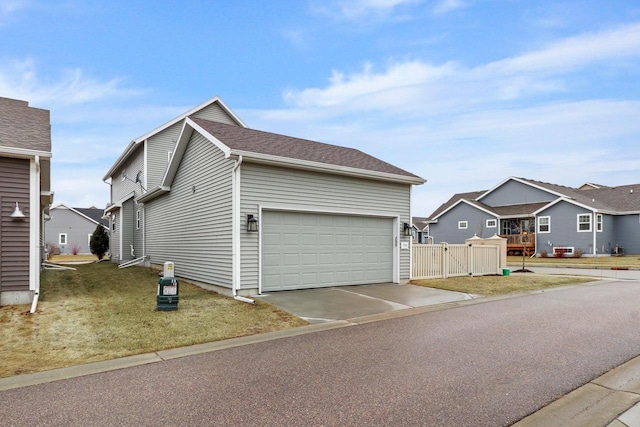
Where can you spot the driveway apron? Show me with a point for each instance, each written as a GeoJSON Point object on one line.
{"type": "Point", "coordinates": [341, 303]}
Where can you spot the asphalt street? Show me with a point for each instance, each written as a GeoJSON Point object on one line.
{"type": "Point", "coordinates": [487, 364]}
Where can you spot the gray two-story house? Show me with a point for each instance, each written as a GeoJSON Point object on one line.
{"type": "Point", "coordinates": [537, 216]}
{"type": "Point", "coordinates": [247, 211]}
{"type": "Point", "coordinates": [25, 195]}
{"type": "Point", "coordinates": [69, 229]}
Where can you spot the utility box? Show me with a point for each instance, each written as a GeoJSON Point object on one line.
{"type": "Point", "coordinates": [168, 285]}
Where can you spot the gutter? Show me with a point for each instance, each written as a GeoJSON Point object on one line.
{"type": "Point", "coordinates": [235, 227]}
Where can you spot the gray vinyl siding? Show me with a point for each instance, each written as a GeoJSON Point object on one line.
{"type": "Point", "coordinates": [606, 239]}
{"type": "Point", "coordinates": [516, 193]}
{"type": "Point", "coordinates": [215, 113]}
{"type": "Point", "coordinates": [446, 229]}
{"type": "Point", "coordinates": [268, 185]}
{"type": "Point", "coordinates": [158, 147]}
{"type": "Point", "coordinates": [160, 144]}
{"type": "Point", "coordinates": [564, 226]}
{"type": "Point", "coordinates": [114, 236]}
{"type": "Point", "coordinates": [14, 235]}
{"type": "Point", "coordinates": [193, 228]}
{"type": "Point", "coordinates": [128, 230]}
{"type": "Point", "coordinates": [77, 228]}
{"type": "Point", "coordinates": [627, 233]}
{"type": "Point", "coordinates": [138, 234]}
{"type": "Point", "coordinates": [121, 188]}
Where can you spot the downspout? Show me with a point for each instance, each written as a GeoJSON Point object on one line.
{"type": "Point", "coordinates": [36, 293]}
{"type": "Point", "coordinates": [595, 235]}
{"type": "Point", "coordinates": [235, 229]}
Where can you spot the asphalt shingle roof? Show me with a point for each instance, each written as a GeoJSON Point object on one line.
{"type": "Point", "coordinates": [24, 127]}
{"type": "Point", "coordinates": [95, 214]}
{"type": "Point", "coordinates": [620, 199]}
{"type": "Point", "coordinates": [260, 142]}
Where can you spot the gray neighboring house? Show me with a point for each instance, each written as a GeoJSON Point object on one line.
{"type": "Point", "coordinates": [25, 196]}
{"type": "Point", "coordinates": [70, 229]}
{"type": "Point", "coordinates": [420, 227]}
{"type": "Point", "coordinates": [593, 219]}
{"type": "Point", "coordinates": [247, 211]}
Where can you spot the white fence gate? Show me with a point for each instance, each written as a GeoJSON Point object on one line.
{"type": "Point", "coordinates": [445, 260]}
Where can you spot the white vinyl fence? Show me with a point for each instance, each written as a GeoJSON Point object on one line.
{"type": "Point", "coordinates": [444, 260]}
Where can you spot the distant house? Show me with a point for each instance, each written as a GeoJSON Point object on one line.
{"type": "Point", "coordinates": [420, 227]}
{"type": "Point", "coordinates": [70, 229]}
{"type": "Point", "coordinates": [25, 195]}
{"type": "Point", "coordinates": [248, 211]}
{"type": "Point", "coordinates": [537, 216]}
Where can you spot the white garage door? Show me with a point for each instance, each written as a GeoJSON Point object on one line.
{"type": "Point", "coordinates": [307, 250]}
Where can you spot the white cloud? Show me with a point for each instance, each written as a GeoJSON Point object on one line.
{"type": "Point", "coordinates": [362, 9]}
{"type": "Point", "coordinates": [10, 7]}
{"type": "Point", "coordinates": [574, 52]}
{"type": "Point", "coordinates": [466, 129]}
{"type": "Point", "coordinates": [446, 6]}
{"type": "Point", "coordinates": [92, 121]}
{"type": "Point", "coordinates": [21, 79]}
{"type": "Point", "coordinates": [343, 89]}
{"type": "Point", "coordinates": [416, 85]}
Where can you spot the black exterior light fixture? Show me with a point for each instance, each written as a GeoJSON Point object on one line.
{"type": "Point", "coordinates": [252, 223]}
{"type": "Point", "coordinates": [407, 229]}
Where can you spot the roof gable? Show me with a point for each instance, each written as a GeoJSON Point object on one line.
{"type": "Point", "coordinates": [474, 204]}
{"type": "Point", "coordinates": [92, 214]}
{"type": "Point", "coordinates": [551, 189]}
{"type": "Point", "coordinates": [133, 145]}
{"type": "Point", "coordinates": [446, 205]}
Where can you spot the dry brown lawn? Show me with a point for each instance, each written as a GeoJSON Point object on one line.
{"type": "Point", "coordinates": [100, 312]}
{"type": "Point", "coordinates": [498, 285]}
{"type": "Point", "coordinates": [630, 261]}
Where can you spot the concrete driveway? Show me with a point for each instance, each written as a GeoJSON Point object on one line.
{"type": "Point", "coordinates": [346, 302]}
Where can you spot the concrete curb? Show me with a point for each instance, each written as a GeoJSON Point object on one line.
{"type": "Point", "coordinates": [608, 401]}
{"type": "Point", "coordinates": [159, 356]}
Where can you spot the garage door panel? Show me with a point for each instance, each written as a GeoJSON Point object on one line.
{"type": "Point", "coordinates": [325, 259]}
{"type": "Point", "coordinates": [310, 239]}
{"type": "Point", "coordinates": [306, 250]}
{"type": "Point", "coordinates": [291, 259]}
{"type": "Point", "coordinates": [269, 260]}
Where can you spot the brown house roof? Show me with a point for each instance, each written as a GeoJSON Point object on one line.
{"type": "Point", "coordinates": [625, 198]}
{"type": "Point", "coordinates": [622, 199]}
{"type": "Point", "coordinates": [255, 141]}
{"type": "Point", "coordinates": [24, 127]}
{"type": "Point", "coordinates": [471, 196]}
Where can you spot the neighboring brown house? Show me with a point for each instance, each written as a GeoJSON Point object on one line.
{"type": "Point", "coordinates": [25, 195]}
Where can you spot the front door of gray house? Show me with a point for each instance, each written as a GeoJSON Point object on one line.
{"type": "Point", "coordinates": [303, 250]}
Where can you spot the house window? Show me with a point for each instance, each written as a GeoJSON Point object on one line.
{"type": "Point", "coordinates": [89, 241]}
{"type": "Point", "coordinates": [138, 215]}
{"type": "Point", "coordinates": [492, 223]}
{"type": "Point", "coordinates": [563, 250]}
{"type": "Point", "coordinates": [599, 222]}
{"type": "Point", "coordinates": [463, 225]}
{"type": "Point", "coordinates": [584, 222]}
{"type": "Point", "coordinates": [62, 238]}
{"type": "Point", "coordinates": [113, 222]}
{"type": "Point", "coordinates": [544, 224]}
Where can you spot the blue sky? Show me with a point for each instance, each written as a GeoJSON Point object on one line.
{"type": "Point", "coordinates": [461, 92]}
